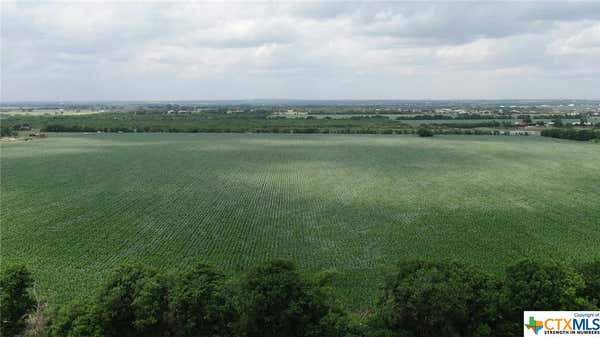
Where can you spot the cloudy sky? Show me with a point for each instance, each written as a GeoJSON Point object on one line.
{"type": "Point", "coordinates": [314, 50]}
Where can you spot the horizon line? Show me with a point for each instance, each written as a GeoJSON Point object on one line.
{"type": "Point", "coordinates": [6, 102]}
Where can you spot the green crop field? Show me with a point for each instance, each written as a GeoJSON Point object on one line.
{"type": "Point", "coordinates": [75, 206]}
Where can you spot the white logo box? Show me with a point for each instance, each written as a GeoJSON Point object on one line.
{"type": "Point", "coordinates": [540, 323]}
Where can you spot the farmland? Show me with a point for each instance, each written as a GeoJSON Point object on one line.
{"type": "Point", "coordinates": [75, 206]}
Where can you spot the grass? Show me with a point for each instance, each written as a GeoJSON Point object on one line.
{"type": "Point", "coordinates": [75, 206]}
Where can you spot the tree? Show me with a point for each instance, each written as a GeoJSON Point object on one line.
{"type": "Point", "coordinates": [78, 319]}
{"type": "Point", "coordinates": [591, 276]}
{"type": "Point", "coordinates": [525, 118]}
{"type": "Point", "coordinates": [532, 285]}
{"type": "Point", "coordinates": [201, 305]}
{"type": "Point", "coordinates": [134, 302]}
{"type": "Point", "coordinates": [424, 132]}
{"type": "Point", "coordinates": [5, 131]}
{"type": "Point", "coordinates": [427, 298]}
{"type": "Point", "coordinates": [544, 286]}
{"type": "Point", "coordinates": [276, 301]}
{"type": "Point", "coordinates": [15, 298]}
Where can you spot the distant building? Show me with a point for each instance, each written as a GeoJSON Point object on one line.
{"type": "Point", "coordinates": [524, 133]}
{"type": "Point", "coordinates": [582, 123]}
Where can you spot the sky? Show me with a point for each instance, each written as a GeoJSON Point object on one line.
{"type": "Point", "coordinates": [69, 51]}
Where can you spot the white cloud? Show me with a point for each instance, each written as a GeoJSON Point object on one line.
{"type": "Point", "coordinates": [581, 39]}
{"type": "Point", "coordinates": [188, 50]}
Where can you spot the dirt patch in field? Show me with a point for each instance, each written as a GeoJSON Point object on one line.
{"type": "Point", "coordinates": [10, 139]}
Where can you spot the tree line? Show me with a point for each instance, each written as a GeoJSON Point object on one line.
{"type": "Point", "coordinates": [137, 122]}
{"type": "Point", "coordinates": [285, 129]}
{"type": "Point", "coordinates": [276, 299]}
{"type": "Point", "coordinates": [7, 132]}
{"type": "Point", "coordinates": [572, 133]}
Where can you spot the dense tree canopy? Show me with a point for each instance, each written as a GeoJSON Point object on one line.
{"type": "Point", "coordinates": [15, 299]}
{"type": "Point", "coordinates": [134, 302]}
{"type": "Point", "coordinates": [544, 286]}
{"type": "Point", "coordinates": [425, 132]}
{"type": "Point", "coordinates": [277, 301]}
{"type": "Point", "coordinates": [419, 299]}
{"type": "Point", "coordinates": [424, 298]}
{"type": "Point", "coordinates": [201, 304]}
{"type": "Point", "coordinates": [591, 276]}
{"type": "Point", "coordinates": [532, 285]}
{"type": "Point", "coordinates": [571, 133]}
